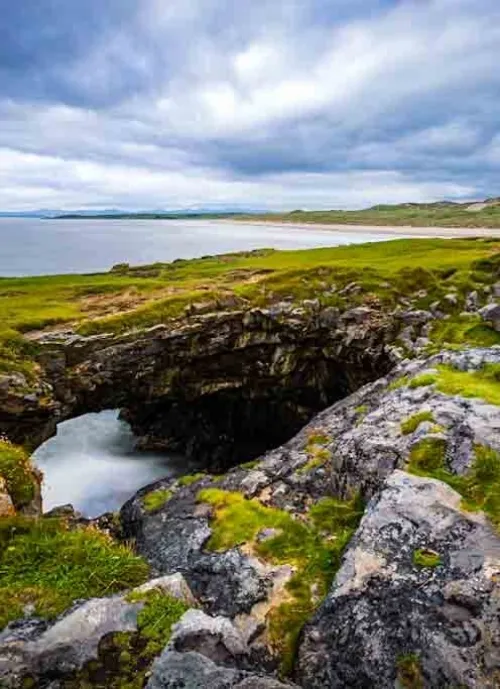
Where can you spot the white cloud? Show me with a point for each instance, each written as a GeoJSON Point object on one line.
{"type": "Point", "coordinates": [379, 108]}
{"type": "Point", "coordinates": [78, 184]}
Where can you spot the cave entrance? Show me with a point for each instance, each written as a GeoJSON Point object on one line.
{"type": "Point", "coordinates": [92, 463]}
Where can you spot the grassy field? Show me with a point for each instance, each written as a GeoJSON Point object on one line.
{"type": "Point", "coordinates": [132, 297]}
{"type": "Point", "coordinates": [415, 215]}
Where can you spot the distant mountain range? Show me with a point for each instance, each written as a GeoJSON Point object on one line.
{"type": "Point", "coordinates": [120, 212]}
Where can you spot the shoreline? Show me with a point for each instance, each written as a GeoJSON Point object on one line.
{"type": "Point", "coordinates": [390, 230]}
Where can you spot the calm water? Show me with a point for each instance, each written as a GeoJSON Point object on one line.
{"type": "Point", "coordinates": [37, 247]}
{"type": "Point", "coordinates": [91, 463]}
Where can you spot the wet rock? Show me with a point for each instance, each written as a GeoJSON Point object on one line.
{"type": "Point", "coordinates": [384, 607]}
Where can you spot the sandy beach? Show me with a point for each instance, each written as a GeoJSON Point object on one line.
{"type": "Point", "coordinates": [389, 230]}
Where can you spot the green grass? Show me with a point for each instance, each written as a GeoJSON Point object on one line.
{"type": "Point", "coordinates": [45, 564]}
{"type": "Point", "coordinates": [142, 296]}
{"type": "Point", "coordinates": [483, 384]}
{"type": "Point", "coordinates": [459, 331]}
{"type": "Point", "coordinates": [156, 618]}
{"type": "Point", "coordinates": [412, 214]}
{"type": "Point", "coordinates": [19, 474]}
{"type": "Point", "coordinates": [426, 558]}
{"type": "Point", "coordinates": [411, 424]}
{"type": "Point", "coordinates": [313, 547]}
{"type": "Point", "coordinates": [156, 499]}
{"type": "Point", "coordinates": [422, 381]}
{"type": "Point", "coordinates": [479, 486]}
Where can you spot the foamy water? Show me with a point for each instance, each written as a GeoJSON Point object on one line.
{"type": "Point", "coordinates": [91, 463]}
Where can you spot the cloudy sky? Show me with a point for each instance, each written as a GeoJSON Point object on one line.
{"type": "Point", "coordinates": [268, 104]}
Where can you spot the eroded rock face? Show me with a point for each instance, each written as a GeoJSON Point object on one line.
{"type": "Point", "coordinates": [384, 608]}
{"type": "Point", "coordinates": [221, 387]}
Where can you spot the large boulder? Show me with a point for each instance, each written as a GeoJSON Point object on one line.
{"type": "Point", "coordinates": [41, 650]}
{"type": "Point", "coordinates": [418, 595]}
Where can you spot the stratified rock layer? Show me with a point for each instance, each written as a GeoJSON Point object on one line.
{"type": "Point", "coordinates": [221, 387]}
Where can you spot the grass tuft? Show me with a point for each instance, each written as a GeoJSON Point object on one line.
{"type": "Point", "coordinates": [190, 479]}
{"type": "Point", "coordinates": [44, 564]}
{"type": "Point", "coordinates": [125, 658]}
{"type": "Point", "coordinates": [483, 384]}
{"type": "Point", "coordinates": [19, 474]}
{"type": "Point", "coordinates": [409, 670]}
{"type": "Point", "coordinates": [422, 381]}
{"type": "Point", "coordinates": [479, 487]}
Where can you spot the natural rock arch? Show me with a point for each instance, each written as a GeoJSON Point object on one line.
{"type": "Point", "coordinates": [222, 387]}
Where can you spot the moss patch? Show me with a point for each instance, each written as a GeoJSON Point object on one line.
{"type": "Point", "coordinates": [125, 659]}
{"type": "Point", "coordinates": [18, 472]}
{"type": "Point", "coordinates": [411, 424]}
{"type": "Point", "coordinates": [422, 381]}
{"type": "Point", "coordinates": [409, 671]}
{"type": "Point", "coordinates": [156, 499]}
{"type": "Point", "coordinates": [479, 487]}
{"type": "Point", "coordinates": [313, 546]}
{"type": "Point", "coordinates": [190, 479]}
{"type": "Point", "coordinates": [483, 384]}
{"type": "Point", "coordinates": [458, 331]}
{"type": "Point", "coordinates": [45, 564]}
{"type": "Point", "coordinates": [426, 558]}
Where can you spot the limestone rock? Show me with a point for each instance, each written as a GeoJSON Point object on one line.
{"type": "Point", "coordinates": [491, 314]}
{"type": "Point", "coordinates": [384, 607]}
{"type": "Point", "coordinates": [193, 671]}
{"type": "Point", "coordinates": [214, 637]}
{"type": "Point", "coordinates": [43, 650]}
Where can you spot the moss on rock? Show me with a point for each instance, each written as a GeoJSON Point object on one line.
{"type": "Point", "coordinates": [312, 546]}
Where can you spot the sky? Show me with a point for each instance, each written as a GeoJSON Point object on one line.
{"type": "Point", "coordinates": [268, 104]}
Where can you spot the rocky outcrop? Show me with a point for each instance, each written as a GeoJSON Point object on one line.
{"type": "Point", "coordinates": [257, 551]}
{"type": "Point", "coordinates": [388, 614]}
{"type": "Point", "coordinates": [359, 444]}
